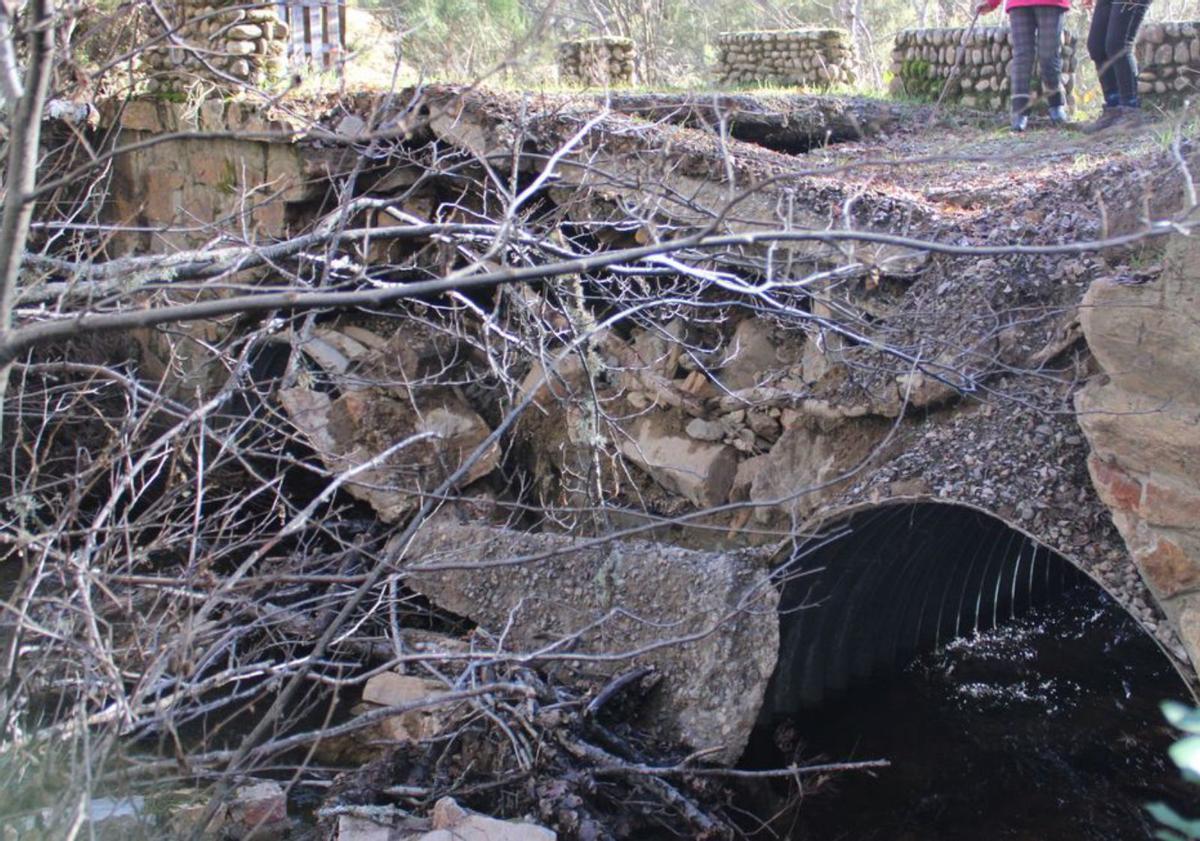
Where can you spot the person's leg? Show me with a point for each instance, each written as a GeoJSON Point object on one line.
{"type": "Point", "coordinates": [1097, 49]}
{"type": "Point", "coordinates": [1049, 48]}
{"type": "Point", "coordinates": [1023, 25]}
{"type": "Point", "coordinates": [1123, 25]}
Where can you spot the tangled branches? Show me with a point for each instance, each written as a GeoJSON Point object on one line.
{"type": "Point", "coordinates": [221, 453]}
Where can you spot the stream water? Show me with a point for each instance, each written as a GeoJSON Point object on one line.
{"type": "Point", "coordinates": [1047, 728]}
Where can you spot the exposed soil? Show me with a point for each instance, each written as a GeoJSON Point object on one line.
{"type": "Point", "coordinates": [860, 312]}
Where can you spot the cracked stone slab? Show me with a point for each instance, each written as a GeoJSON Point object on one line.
{"type": "Point", "coordinates": [705, 621]}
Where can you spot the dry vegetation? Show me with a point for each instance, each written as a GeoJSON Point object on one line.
{"type": "Point", "coordinates": [490, 309]}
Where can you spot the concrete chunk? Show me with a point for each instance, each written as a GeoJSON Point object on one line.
{"type": "Point", "coordinates": [704, 620]}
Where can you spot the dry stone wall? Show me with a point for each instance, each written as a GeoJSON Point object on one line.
{"type": "Point", "coordinates": [923, 60]}
{"type": "Point", "coordinates": [808, 58]}
{"type": "Point", "coordinates": [220, 42]}
{"type": "Point", "coordinates": [597, 62]}
{"type": "Point", "coordinates": [1168, 57]}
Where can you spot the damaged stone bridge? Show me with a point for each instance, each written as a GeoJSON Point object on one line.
{"type": "Point", "coordinates": [769, 469]}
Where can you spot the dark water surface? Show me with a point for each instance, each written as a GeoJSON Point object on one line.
{"type": "Point", "coordinates": [1048, 728]}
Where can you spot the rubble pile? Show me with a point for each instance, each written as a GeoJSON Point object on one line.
{"type": "Point", "coordinates": [512, 536]}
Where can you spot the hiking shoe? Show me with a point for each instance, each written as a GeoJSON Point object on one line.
{"type": "Point", "coordinates": [1058, 116]}
{"type": "Point", "coordinates": [1020, 122]}
{"type": "Point", "coordinates": [1110, 115]}
{"type": "Point", "coordinates": [1130, 117]}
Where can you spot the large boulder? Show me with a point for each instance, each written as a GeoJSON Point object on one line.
{"type": "Point", "coordinates": [401, 434]}
{"type": "Point", "coordinates": [1146, 336]}
{"type": "Point", "coordinates": [705, 621]}
{"type": "Point", "coordinates": [755, 351]}
{"type": "Point", "coordinates": [811, 464]}
{"type": "Point", "coordinates": [1142, 420]}
{"type": "Point", "coordinates": [700, 471]}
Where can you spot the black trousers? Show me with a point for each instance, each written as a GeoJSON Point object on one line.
{"type": "Point", "coordinates": [1110, 44]}
{"type": "Point", "coordinates": [1041, 26]}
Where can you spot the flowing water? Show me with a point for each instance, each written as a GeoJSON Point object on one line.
{"type": "Point", "coordinates": [1047, 728]}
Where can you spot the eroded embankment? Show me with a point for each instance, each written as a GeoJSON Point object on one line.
{"type": "Point", "coordinates": [767, 335]}
{"type": "Point", "coordinates": [870, 372]}
{"type": "Point", "coordinates": [630, 326]}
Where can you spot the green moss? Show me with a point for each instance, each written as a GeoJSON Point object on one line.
{"type": "Point", "coordinates": [919, 80]}
{"type": "Point", "coordinates": [916, 68]}
{"type": "Point", "coordinates": [161, 804]}
{"type": "Point", "coordinates": [228, 182]}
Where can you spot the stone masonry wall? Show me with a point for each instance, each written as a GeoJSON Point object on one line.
{"type": "Point", "coordinates": [183, 193]}
{"type": "Point", "coordinates": [1142, 420]}
{"type": "Point", "coordinates": [223, 42]}
{"type": "Point", "coordinates": [1168, 56]}
{"type": "Point", "coordinates": [187, 193]}
{"type": "Point", "coordinates": [922, 60]}
{"type": "Point", "coordinates": [808, 58]}
{"type": "Point", "coordinates": [597, 62]}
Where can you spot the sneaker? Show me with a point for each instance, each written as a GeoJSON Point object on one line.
{"type": "Point", "coordinates": [1020, 122]}
{"type": "Point", "coordinates": [1110, 115]}
{"type": "Point", "coordinates": [1058, 116]}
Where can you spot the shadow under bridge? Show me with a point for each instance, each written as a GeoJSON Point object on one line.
{"type": "Point", "coordinates": [885, 584]}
